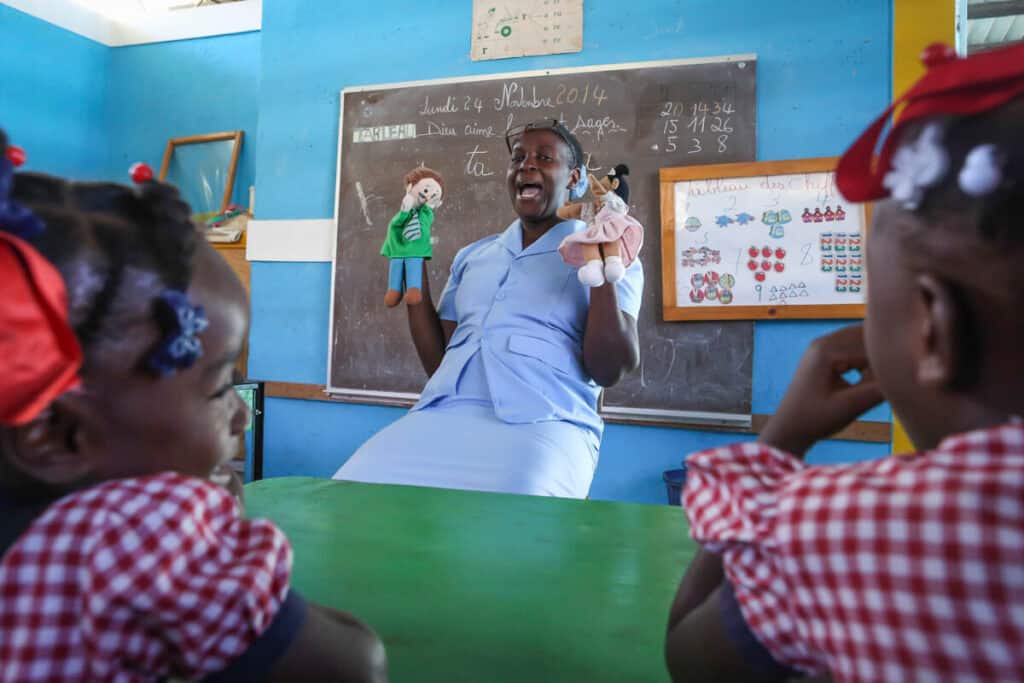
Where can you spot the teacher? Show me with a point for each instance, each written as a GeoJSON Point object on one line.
{"type": "Point", "coordinates": [517, 350]}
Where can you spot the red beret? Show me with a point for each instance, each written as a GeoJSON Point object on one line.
{"type": "Point", "coordinates": [951, 85]}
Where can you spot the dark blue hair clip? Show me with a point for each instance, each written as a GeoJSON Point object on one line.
{"type": "Point", "coordinates": [180, 346]}
{"type": "Point", "coordinates": [15, 218]}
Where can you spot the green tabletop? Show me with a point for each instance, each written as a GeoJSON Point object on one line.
{"type": "Point", "coordinates": [465, 586]}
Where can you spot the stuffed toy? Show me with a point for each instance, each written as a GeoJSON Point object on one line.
{"type": "Point", "coordinates": [612, 239]}
{"type": "Point", "coordinates": [408, 240]}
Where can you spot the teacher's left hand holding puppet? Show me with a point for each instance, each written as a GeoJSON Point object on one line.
{"type": "Point", "coordinates": [408, 239]}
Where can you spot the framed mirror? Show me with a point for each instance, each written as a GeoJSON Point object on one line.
{"type": "Point", "coordinates": [203, 169]}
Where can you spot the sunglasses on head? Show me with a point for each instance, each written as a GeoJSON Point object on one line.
{"type": "Point", "coordinates": [553, 125]}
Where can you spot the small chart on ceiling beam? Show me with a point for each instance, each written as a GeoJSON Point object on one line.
{"type": "Point", "coordinates": [520, 28]}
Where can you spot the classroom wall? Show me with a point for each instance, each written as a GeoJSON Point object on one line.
{"type": "Point", "coordinates": [53, 92]}
{"type": "Point", "coordinates": [185, 87]}
{"type": "Point", "coordinates": [822, 75]}
{"type": "Point", "coordinates": [88, 111]}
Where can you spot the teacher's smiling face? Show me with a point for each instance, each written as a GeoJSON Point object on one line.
{"type": "Point", "coordinates": [539, 176]}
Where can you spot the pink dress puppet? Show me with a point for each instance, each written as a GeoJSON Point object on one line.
{"type": "Point", "coordinates": [612, 239]}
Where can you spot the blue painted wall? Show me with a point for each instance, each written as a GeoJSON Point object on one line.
{"type": "Point", "coordinates": [185, 87]}
{"type": "Point", "coordinates": [822, 76]}
{"type": "Point", "coordinates": [53, 94]}
{"type": "Point", "coordinates": [87, 111]}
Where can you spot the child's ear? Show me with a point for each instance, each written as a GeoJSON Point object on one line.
{"type": "Point", "coordinates": [63, 444]}
{"type": "Point", "coordinates": [944, 335]}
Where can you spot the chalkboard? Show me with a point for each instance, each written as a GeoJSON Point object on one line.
{"type": "Point", "coordinates": [766, 239]}
{"type": "Point", "coordinates": [648, 115]}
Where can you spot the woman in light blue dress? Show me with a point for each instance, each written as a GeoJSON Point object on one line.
{"type": "Point", "coordinates": [517, 350]}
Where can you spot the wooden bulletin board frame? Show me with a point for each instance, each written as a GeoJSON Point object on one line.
{"type": "Point", "coordinates": [671, 310]}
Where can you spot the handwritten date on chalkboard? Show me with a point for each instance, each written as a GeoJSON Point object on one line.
{"type": "Point", "coordinates": [696, 127]}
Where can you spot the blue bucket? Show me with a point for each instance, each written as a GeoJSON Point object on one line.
{"type": "Point", "coordinates": [674, 481]}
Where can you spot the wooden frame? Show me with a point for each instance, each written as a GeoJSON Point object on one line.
{"type": "Point", "coordinates": [670, 308]}
{"type": "Point", "coordinates": [235, 135]}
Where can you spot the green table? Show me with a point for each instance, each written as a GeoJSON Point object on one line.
{"type": "Point", "coordinates": [480, 587]}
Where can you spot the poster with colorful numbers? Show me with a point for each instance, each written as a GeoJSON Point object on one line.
{"type": "Point", "coordinates": [761, 240]}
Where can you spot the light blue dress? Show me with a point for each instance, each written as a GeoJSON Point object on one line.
{"type": "Point", "coordinates": [511, 408]}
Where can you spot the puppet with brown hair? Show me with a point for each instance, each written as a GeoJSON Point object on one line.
{"type": "Point", "coordinates": [408, 240]}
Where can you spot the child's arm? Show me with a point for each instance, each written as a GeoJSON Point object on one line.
{"type": "Point", "coordinates": [818, 403]}
{"type": "Point", "coordinates": [331, 646]}
{"type": "Point", "coordinates": [697, 647]}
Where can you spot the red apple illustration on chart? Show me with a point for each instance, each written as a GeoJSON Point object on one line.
{"type": "Point", "coordinates": [766, 265]}
{"type": "Point", "coordinates": [753, 251]}
{"type": "Point", "coordinates": [779, 266]}
{"type": "Point", "coordinates": [759, 276]}
{"type": "Point", "coordinates": [752, 264]}
{"type": "Point", "coordinates": [780, 253]}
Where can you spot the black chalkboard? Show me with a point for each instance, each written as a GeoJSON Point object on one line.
{"type": "Point", "coordinates": [648, 115]}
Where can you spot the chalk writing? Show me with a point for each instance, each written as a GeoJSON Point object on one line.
{"type": "Point", "coordinates": [599, 127]}
{"type": "Point", "coordinates": [514, 96]}
{"type": "Point", "coordinates": [476, 164]}
{"type": "Point", "coordinates": [434, 128]}
{"type": "Point", "coordinates": [475, 129]}
{"type": "Point", "coordinates": [450, 106]}
{"type": "Point", "coordinates": [363, 203]}
{"type": "Point", "coordinates": [573, 95]}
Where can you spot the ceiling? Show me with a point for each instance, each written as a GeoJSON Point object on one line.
{"type": "Point", "coordinates": [116, 23]}
{"type": "Point", "coordinates": [126, 9]}
{"type": "Point", "coordinates": [994, 23]}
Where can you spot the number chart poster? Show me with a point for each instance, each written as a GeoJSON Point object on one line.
{"type": "Point", "coordinates": [777, 240]}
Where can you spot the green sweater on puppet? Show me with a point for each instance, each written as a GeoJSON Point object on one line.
{"type": "Point", "coordinates": [404, 240]}
{"type": "Point", "coordinates": [407, 244]}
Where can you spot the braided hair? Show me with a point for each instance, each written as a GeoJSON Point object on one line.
{"type": "Point", "coordinates": [117, 248]}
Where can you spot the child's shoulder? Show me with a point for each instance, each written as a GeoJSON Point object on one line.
{"type": "Point", "coordinates": [166, 495]}
{"type": "Point", "coordinates": [748, 485]}
{"type": "Point", "coordinates": [141, 516]}
{"type": "Point", "coordinates": [122, 564]}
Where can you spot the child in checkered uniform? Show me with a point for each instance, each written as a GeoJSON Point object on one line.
{"type": "Point", "coordinates": [905, 568]}
{"type": "Point", "coordinates": [119, 559]}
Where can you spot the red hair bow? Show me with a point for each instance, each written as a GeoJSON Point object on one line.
{"type": "Point", "coordinates": [951, 85]}
{"type": "Point", "coordinates": [39, 354]}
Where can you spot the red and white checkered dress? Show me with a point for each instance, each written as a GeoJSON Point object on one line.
{"type": "Point", "coordinates": [900, 569]}
{"type": "Point", "coordinates": [138, 579]}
